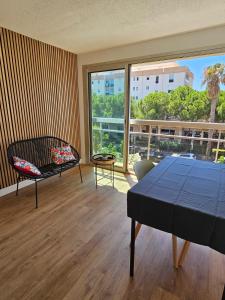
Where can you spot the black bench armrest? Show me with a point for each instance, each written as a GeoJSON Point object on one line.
{"type": "Point", "coordinates": [75, 153]}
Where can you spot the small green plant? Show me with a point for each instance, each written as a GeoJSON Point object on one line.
{"type": "Point", "coordinates": [221, 159]}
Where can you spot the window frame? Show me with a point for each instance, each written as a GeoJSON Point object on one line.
{"type": "Point", "coordinates": [127, 63]}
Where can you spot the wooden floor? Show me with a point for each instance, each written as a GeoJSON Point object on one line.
{"type": "Point", "coordinates": [76, 246]}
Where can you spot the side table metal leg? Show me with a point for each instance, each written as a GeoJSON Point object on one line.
{"type": "Point", "coordinates": [96, 176]}
{"type": "Point", "coordinates": [113, 174]}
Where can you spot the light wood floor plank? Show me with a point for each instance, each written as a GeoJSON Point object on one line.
{"type": "Point", "coordinates": [76, 246]}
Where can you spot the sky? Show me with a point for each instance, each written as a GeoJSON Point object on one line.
{"type": "Point", "coordinates": [197, 66]}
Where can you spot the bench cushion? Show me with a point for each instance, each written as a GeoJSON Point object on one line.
{"type": "Point", "coordinates": [67, 153]}
{"type": "Point", "coordinates": [62, 154]}
{"type": "Point", "coordinates": [26, 167]}
{"type": "Point", "coordinates": [56, 155]}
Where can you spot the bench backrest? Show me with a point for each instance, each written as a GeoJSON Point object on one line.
{"type": "Point", "coordinates": [36, 150]}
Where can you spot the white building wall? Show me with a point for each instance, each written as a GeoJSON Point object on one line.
{"type": "Point", "coordinates": [142, 87]}
{"type": "Point", "coordinates": [119, 85]}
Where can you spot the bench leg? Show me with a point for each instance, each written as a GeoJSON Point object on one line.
{"type": "Point", "coordinates": [81, 179]}
{"type": "Point", "coordinates": [36, 194]}
{"type": "Point", "coordinates": [132, 248]}
{"type": "Point", "coordinates": [17, 185]}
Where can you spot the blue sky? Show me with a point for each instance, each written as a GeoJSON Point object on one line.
{"type": "Point", "coordinates": [197, 66]}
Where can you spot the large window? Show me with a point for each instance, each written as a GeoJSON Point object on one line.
{"type": "Point", "coordinates": [176, 119]}
{"type": "Point", "coordinates": [170, 115]}
{"type": "Point", "coordinates": [107, 113]}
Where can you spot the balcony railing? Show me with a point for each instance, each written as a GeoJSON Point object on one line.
{"type": "Point", "coordinates": [161, 130]}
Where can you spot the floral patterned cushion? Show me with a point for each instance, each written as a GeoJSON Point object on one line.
{"type": "Point", "coordinates": [61, 155]}
{"type": "Point", "coordinates": [26, 166]}
{"type": "Point", "coordinates": [56, 155]}
{"type": "Point", "coordinates": [67, 153]}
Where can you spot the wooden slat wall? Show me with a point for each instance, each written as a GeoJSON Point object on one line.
{"type": "Point", "coordinates": [38, 94]}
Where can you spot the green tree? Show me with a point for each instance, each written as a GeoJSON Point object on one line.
{"type": "Point", "coordinates": [133, 108]}
{"type": "Point", "coordinates": [213, 77]}
{"type": "Point", "coordinates": [187, 104]}
{"type": "Point", "coordinates": [220, 109]}
{"type": "Point", "coordinates": [153, 106]}
{"type": "Point", "coordinates": [183, 103]}
{"type": "Point", "coordinates": [108, 106]}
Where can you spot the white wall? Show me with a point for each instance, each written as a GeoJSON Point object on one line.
{"type": "Point", "coordinates": [198, 40]}
{"type": "Point", "coordinates": [163, 86]}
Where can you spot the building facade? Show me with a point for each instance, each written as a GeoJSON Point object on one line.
{"type": "Point", "coordinates": [163, 77]}
{"type": "Point", "coordinates": [108, 83]}
{"type": "Point", "coordinates": [145, 79]}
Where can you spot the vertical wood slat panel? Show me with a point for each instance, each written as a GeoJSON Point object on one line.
{"type": "Point", "coordinates": [6, 115]}
{"type": "Point", "coordinates": [38, 95]}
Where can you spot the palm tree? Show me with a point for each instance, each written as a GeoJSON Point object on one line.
{"type": "Point", "coordinates": [214, 76]}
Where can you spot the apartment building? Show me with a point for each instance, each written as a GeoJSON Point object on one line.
{"type": "Point", "coordinates": [164, 77]}
{"type": "Point", "coordinates": [145, 79]}
{"type": "Point", "coordinates": [108, 83]}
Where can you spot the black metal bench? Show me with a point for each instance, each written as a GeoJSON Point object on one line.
{"type": "Point", "coordinates": [37, 151]}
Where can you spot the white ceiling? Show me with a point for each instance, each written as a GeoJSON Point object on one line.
{"type": "Point", "coordinates": [84, 25]}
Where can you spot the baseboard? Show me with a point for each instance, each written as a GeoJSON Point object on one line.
{"type": "Point", "coordinates": [12, 188]}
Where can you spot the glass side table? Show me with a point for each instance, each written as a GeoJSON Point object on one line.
{"type": "Point", "coordinates": [102, 160]}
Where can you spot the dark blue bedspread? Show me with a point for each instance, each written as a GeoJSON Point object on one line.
{"type": "Point", "coordinates": [184, 197]}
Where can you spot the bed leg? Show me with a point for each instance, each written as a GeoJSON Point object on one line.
{"type": "Point", "coordinates": [132, 248]}
{"type": "Point", "coordinates": [174, 248]}
{"type": "Point", "coordinates": [223, 296]}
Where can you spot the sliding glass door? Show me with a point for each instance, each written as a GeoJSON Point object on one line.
{"type": "Point", "coordinates": [107, 111]}
{"type": "Point", "coordinates": [151, 110]}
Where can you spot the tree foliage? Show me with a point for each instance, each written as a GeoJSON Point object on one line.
{"type": "Point", "coordinates": [187, 104]}
{"type": "Point", "coordinates": [184, 104]}
{"type": "Point", "coordinates": [220, 109]}
{"type": "Point", "coordinates": [214, 76]}
{"type": "Point", "coordinates": [108, 106]}
{"type": "Point", "coordinates": [154, 106]}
